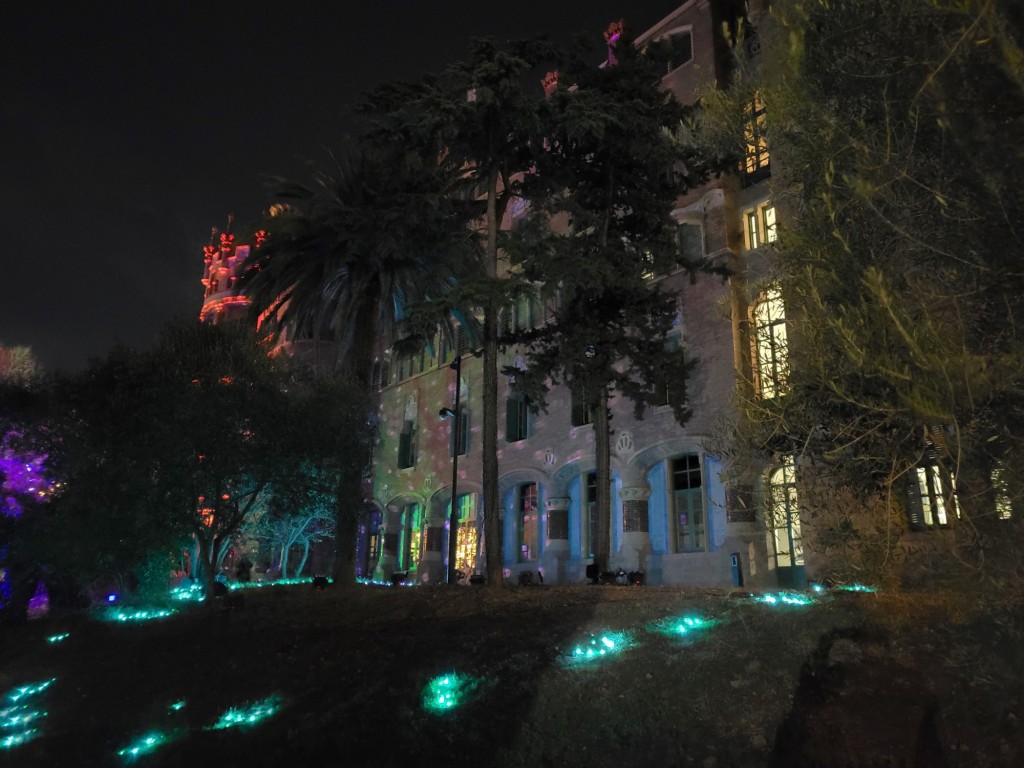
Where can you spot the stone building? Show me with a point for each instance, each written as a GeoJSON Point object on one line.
{"type": "Point", "coordinates": [677, 515]}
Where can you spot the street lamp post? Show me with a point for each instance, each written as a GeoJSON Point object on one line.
{"type": "Point", "coordinates": [453, 517]}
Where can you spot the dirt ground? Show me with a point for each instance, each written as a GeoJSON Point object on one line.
{"type": "Point", "coordinates": [855, 679]}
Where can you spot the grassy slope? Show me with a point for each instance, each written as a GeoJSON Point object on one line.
{"type": "Point", "coordinates": [851, 680]}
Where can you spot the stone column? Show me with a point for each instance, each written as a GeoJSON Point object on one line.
{"type": "Point", "coordinates": [552, 560]}
{"type": "Point", "coordinates": [636, 536]}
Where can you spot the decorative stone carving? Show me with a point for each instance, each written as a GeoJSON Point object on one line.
{"type": "Point", "coordinates": [624, 443]}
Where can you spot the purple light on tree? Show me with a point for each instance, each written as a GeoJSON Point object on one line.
{"type": "Point", "coordinates": [23, 474]}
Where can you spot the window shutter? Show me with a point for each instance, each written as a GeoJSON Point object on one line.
{"type": "Point", "coordinates": [511, 420]}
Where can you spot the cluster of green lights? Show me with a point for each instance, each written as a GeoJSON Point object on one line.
{"type": "Point", "coordinates": [54, 639]}
{"type": "Point", "coordinates": [177, 706]}
{"type": "Point", "coordinates": [145, 744]}
{"type": "Point", "coordinates": [779, 599]}
{"type": "Point", "coordinates": [682, 626]}
{"type": "Point", "coordinates": [250, 715]}
{"type": "Point", "coordinates": [193, 592]}
{"type": "Point", "coordinates": [18, 718]}
{"type": "Point", "coordinates": [447, 692]}
{"type": "Point", "coordinates": [379, 583]}
{"type": "Point", "coordinates": [855, 588]}
{"type": "Point", "coordinates": [599, 647]}
{"type": "Point", "coordinates": [277, 583]}
{"type": "Point", "coordinates": [116, 614]}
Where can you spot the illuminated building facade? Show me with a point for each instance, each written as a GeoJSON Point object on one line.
{"type": "Point", "coordinates": [676, 515]}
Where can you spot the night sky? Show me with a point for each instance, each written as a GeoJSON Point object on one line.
{"type": "Point", "coordinates": [128, 129]}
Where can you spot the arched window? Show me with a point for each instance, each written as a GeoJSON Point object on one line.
{"type": "Point", "coordinates": [771, 349]}
{"type": "Point", "coordinates": [783, 515]}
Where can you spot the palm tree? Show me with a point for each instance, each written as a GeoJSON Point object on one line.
{"type": "Point", "coordinates": [343, 261]}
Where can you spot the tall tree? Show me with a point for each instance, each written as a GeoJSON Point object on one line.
{"type": "Point", "coordinates": [893, 128]}
{"type": "Point", "coordinates": [480, 118]}
{"type": "Point", "coordinates": [182, 442]}
{"type": "Point", "coordinates": [599, 228]}
{"type": "Point", "coordinates": [345, 257]}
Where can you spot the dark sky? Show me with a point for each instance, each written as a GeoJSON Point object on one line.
{"type": "Point", "coordinates": [128, 129]}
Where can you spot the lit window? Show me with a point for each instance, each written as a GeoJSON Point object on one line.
{"type": "Point", "coordinates": [688, 503]}
{"type": "Point", "coordinates": [783, 515]}
{"type": "Point", "coordinates": [760, 226]}
{"type": "Point", "coordinates": [756, 155]}
{"type": "Point", "coordinates": [932, 495]}
{"type": "Point", "coordinates": [529, 519]}
{"type": "Point", "coordinates": [465, 552]}
{"type": "Point", "coordinates": [771, 361]}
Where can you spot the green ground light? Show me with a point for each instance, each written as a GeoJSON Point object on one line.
{"type": "Point", "coordinates": [144, 745]}
{"type": "Point", "coordinates": [682, 626]}
{"type": "Point", "coordinates": [855, 588]}
{"type": "Point", "coordinates": [125, 617]}
{"type": "Point", "coordinates": [447, 692]}
{"type": "Point", "coordinates": [598, 648]}
{"type": "Point", "coordinates": [253, 714]}
{"type": "Point", "coordinates": [17, 718]}
{"type": "Point", "coordinates": [53, 639]}
{"type": "Point", "coordinates": [784, 599]}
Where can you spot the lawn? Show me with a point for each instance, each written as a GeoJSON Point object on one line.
{"type": "Point", "coordinates": [521, 676]}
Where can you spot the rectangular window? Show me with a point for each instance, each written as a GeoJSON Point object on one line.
{"type": "Point", "coordinates": [768, 222]}
{"type": "Point", "coordinates": [381, 375]}
{"type": "Point", "coordinates": [755, 159]}
{"type": "Point", "coordinates": [682, 48]}
{"type": "Point", "coordinates": [412, 537]}
{"type": "Point", "coordinates": [582, 411]}
{"type": "Point", "coordinates": [529, 522]}
{"type": "Point", "coordinates": [690, 239]}
{"type": "Point", "coordinates": [771, 353]}
{"type": "Point", "coordinates": [667, 390]}
{"type": "Point", "coordinates": [517, 418]}
{"type": "Point", "coordinates": [932, 497]}
{"type": "Point", "coordinates": [468, 535]}
{"type": "Point", "coordinates": [407, 445]}
{"type": "Point", "coordinates": [760, 226]}
{"type": "Point", "coordinates": [463, 434]}
{"type": "Point", "coordinates": [688, 503]}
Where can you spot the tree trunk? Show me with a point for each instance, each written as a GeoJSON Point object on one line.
{"type": "Point", "coordinates": [285, 556]}
{"type": "Point", "coordinates": [602, 446]}
{"type": "Point", "coordinates": [492, 519]}
{"type": "Point", "coordinates": [205, 565]}
{"type": "Point", "coordinates": [305, 556]}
